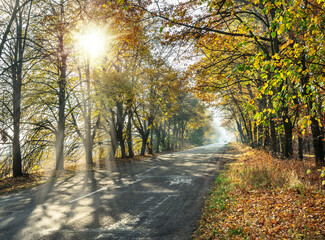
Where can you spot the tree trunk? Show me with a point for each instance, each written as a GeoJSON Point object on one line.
{"type": "Point", "coordinates": [163, 136]}
{"type": "Point", "coordinates": [17, 69]}
{"type": "Point", "coordinates": [241, 133]}
{"type": "Point", "coordinates": [175, 133]}
{"type": "Point", "coordinates": [151, 142]}
{"type": "Point", "coordinates": [274, 146]}
{"type": "Point", "coordinates": [248, 136]}
{"type": "Point", "coordinates": [88, 141]}
{"type": "Point", "coordinates": [120, 127]}
{"type": "Point", "coordinates": [158, 131]}
{"type": "Point", "coordinates": [144, 144]}
{"type": "Point", "coordinates": [17, 166]}
{"type": "Point", "coordinates": [300, 147]}
{"type": "Point", "coordinates": [255, 135]}
{"type": "Point", "coordinates": [59, 142]}
{"type": "Point", "coordinates": [89, 155]}
{"type": "Point", "coordinates": [308, 147]}
{"type": "Point", "coordinates": [266, 143]}
{"type": "Point", "coordinates": [182, 133]}
{"type": "Point", "coordinates": [168, 136]}
{"type": "Point", "coordinates": [129, 135]}
{"type": "Point", "coordinates": [263, 131]}
{"type": "Point", "coordinates": [288, 149]}
{"type": "Point", "coordinates": [317, 142]}
{"type": "Point", "coordinates": [112, 133]}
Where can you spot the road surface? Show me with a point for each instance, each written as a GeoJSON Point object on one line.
{"type": "Point", "coordinates": [155, 198]}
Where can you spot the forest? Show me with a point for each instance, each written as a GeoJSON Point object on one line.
{"type": "Point", "coordinates": [89, 80]}
{"type": "Point", "coordinates": [262, 62]}
{"type": "Point", "coordinates": [100, 79]}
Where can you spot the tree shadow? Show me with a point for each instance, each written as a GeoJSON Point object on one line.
{"type": "Point", "coordinates": [146, 199]}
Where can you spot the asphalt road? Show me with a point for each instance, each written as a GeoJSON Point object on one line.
{"type": "Point", "coordinates": [155, 198]}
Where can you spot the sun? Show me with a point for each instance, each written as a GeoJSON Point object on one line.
{"type": "Point", "coordinates": [92, 41]}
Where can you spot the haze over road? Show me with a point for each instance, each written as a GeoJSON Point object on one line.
{"type": "Point", "coordinates": [156, 198]}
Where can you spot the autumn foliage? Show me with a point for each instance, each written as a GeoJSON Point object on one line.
{"type": "Point", "coordinates": [262, 63]}
{"type": "Point", "coordinates": [89, 80]}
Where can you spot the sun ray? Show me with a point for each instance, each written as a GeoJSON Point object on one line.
{"type": "Point", "coordinates": [92, 42]}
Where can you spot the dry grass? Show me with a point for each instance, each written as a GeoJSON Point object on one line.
{"type": "Point", "coordinates": [258, 169]}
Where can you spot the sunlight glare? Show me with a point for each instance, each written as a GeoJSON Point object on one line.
{"type": "Point", "coordinates": [92, 42]}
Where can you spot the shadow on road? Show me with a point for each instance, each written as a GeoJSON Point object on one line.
{"type": "Point", "coordinates": [158, 199]}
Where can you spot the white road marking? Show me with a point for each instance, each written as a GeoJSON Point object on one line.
{"type": "Point", "coordinates": [10, 199]}
{"type": "Point", "coordinates": [89, 194]}
{"type": "Point", "coordinates": [143, 174]}
{"type": "Point", "coordinates": [148, 170]}
{"type": "Point", "coordinates": [151, 209]}
{"type": "Point", "coordinates": [182, 179]}
{"type": "Point", "coordinates": [148, 200]}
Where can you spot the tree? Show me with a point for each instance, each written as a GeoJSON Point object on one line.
{"type": "Point", "coordinates": [259, 62]}
{"type": "Point", "coordinates": [14, 57]}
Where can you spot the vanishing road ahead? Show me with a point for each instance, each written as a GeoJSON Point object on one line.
{"type": "Point", "coordinates": [155, 198]}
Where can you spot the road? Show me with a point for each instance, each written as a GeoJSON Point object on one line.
{"type": "Point", "coordinates": [154, 198]}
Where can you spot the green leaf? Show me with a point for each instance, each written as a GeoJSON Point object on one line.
{"type": "Point", "coordinates": [241, 68]}
{"type": "Point", "coordinates": [322, 174]}
{"type": "Point", "coordinates": [273, 34]}
{"type": "Point", "coordinates": [308, 171]}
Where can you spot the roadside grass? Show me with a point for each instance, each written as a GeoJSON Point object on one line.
{"type": "Point", "coordinates": [261, 197]}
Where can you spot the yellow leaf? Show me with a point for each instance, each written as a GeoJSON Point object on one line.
{"type": "Point", "coordinates": [281, 29]}
{"type": "Point", "coordinates": [276, 56]}
{"type": "Point", "coordinates": [256, 65]}
{"type": "Point", "coordinates": [282, 76]}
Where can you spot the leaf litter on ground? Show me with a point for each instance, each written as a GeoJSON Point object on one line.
{"type": "Point", "coordinates": [261, 197]}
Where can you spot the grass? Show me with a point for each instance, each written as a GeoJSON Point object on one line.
{"type": "Point", "coordinates": [261, 197]}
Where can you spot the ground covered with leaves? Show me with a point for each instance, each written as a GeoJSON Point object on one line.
{"type": "Point", "coordinates": [10, 184]}
{"type": "Point", "coordinates": [261, 197]}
